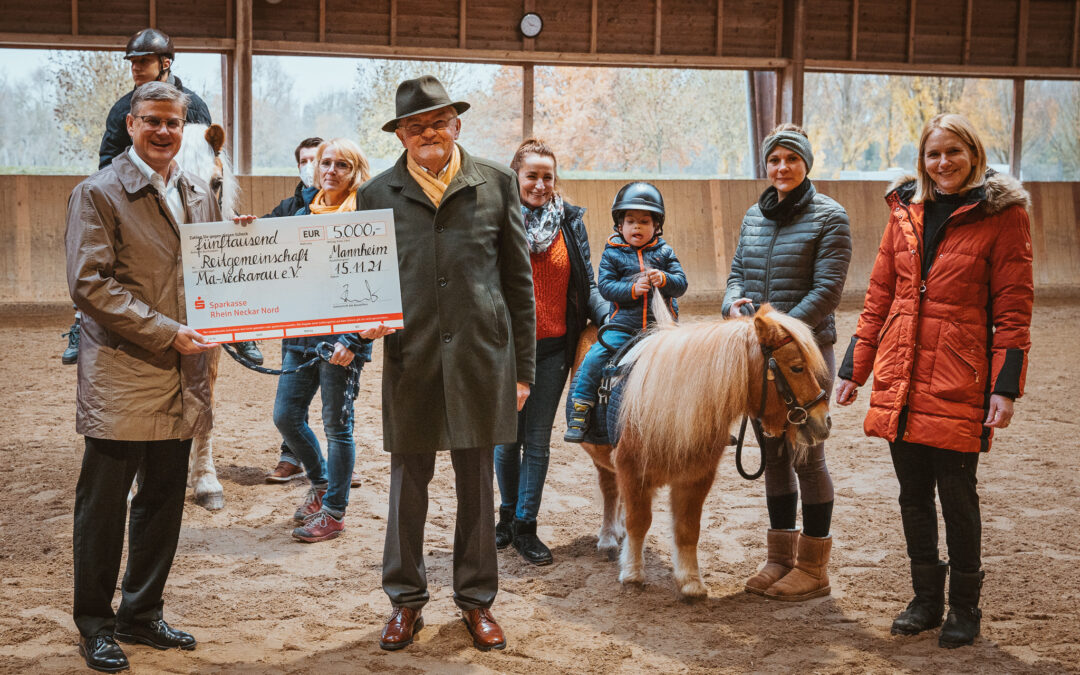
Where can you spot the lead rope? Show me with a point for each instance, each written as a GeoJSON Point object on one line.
{"type": "Point", "coordinates": [747, 310]}
{"type": "Point", "coordinates": [323, 351]}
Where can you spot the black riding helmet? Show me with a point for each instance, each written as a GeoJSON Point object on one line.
{"type": "Point", "coordinates": [639, 196]}
{"type": "Point", "coordinates": [150, 41]}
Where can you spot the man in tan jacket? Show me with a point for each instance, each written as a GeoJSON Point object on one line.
{"type": "Point", "coordinates": [143, 387]}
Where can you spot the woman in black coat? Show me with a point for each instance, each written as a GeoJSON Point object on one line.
{"type": "Point", "coordinates": [793, 252]}
{"type": "Point", "coordinates": [566, 300]}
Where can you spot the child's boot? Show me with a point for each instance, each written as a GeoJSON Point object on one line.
{"type": "Point", "coordinates": [578, 425]}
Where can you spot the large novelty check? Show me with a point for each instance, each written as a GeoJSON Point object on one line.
{"type": "Point", "coordinates": [288, 277]}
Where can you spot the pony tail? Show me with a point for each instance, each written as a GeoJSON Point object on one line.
{"type": "Point", "coordinates": [660, 310]}
{"type": "Point", "coordinates": [230, 187]}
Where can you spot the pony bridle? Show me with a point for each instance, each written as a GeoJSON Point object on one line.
{"type": "Point", "coordinates": [796, 412]}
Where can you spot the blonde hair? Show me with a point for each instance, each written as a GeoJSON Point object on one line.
{"type": "Point", "coordinates": [351, 153]}
{"type": "Point", "coordinates": [788, 126]}
{"type": "Point", "coordinates": [965, 131]}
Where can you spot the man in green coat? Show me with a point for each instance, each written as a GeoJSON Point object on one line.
{"type": "Point", "coordinates": [455, 376]}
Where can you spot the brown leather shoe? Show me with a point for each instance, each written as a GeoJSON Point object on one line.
{"type": "Point", "coordinates": [402, 626]}
{"type": "Point", "coordinates": [284, 472]}
{"type": "Point", "coordinates": [485, 633]}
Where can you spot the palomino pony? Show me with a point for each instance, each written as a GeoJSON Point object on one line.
{"type": "Point", "coordinates": [687, 385]}
{"type": "Point", "coordinates": [201, 154]}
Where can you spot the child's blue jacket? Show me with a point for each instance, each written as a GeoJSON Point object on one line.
{"type": "Point", "coordinates": [619, 266]}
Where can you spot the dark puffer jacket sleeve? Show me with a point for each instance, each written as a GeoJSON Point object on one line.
{"type": "Point", "coordinates": [735, 285]}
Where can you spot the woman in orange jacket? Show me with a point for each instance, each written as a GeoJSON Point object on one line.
{"type": "Point", "coordinates": [945, 331]}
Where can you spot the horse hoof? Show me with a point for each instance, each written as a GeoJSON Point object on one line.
{"type": "Point", "coordinates": [693, 589]}
{"type": "Point", "coordinates": [636, 578]}
{"type": "Point", "coordinates": [608, 545]}
{"type": "Point", "coordinates": [211, 501]}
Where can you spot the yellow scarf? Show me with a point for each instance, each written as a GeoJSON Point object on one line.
{"type": "Point", "coordinates": [431, 185]}
{"type": "Point", "coordinates": [317, 205]}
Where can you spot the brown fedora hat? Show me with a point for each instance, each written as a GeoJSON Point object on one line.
{"type": "Point", "coordinates": [421, 95]}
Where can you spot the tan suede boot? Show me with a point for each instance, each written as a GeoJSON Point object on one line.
{"type": "Point", "coordinates": [780, 560]}
{"type": "Point", "coordinates": [810, 578]}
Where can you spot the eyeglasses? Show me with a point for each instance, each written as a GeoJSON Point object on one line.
{"type": "Point", "coordinates": [172, 123]}
{"type": "Point", "coordinates": [417, 129]}
{"type": "Point", "coordinates": [340, 166]}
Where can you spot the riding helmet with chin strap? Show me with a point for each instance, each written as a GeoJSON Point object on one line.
{"type": "Point", "coordinates": [151, 41]}
{"type": "Point", "coordinates": [639, 196]}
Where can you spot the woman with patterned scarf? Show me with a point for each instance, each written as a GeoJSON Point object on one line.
{"type": "Point", "coordinates": [566, 300]}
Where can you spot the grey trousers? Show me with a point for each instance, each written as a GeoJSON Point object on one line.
{"type": "Point", "coordinates": [476, 565]}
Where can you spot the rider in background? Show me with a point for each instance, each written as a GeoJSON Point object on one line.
{"type": "Point", "coordinates": [636, 263]}
{"type": "Point", "coordinates": [151, 55]}
{"type": "Point", "coordinates": [793, 252]}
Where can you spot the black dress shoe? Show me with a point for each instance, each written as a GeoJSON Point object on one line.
{"type": "Point", "coordinates": [102, 653]}
{"type": "Point", "coordinates": [157, 634]}
{"type": "Point", "coordinates": [529, 545]}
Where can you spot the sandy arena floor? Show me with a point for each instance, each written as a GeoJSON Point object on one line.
{"type": "Point", "coordinates": [259, 602]}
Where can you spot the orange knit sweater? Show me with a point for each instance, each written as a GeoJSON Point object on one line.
{"type": "Point", "coordinates": [551, 278]}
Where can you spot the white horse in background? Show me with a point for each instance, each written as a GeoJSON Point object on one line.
{"type": "Point", "coordinates": [202, 154]}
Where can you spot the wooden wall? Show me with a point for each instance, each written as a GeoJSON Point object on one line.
{"type": "Point", "coordinates": [702, 225]}
{"type": "Point", "coordinates": [863, 34]}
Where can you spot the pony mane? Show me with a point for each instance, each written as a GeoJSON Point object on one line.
{"type": "Point", "coordinates": [687, 384]}
{"type": "Point", "coordinates": [197, 158]}
{"type": "Point", "coordinates": [803, 336]}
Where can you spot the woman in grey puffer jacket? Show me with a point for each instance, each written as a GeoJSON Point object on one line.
{"type": "Point", "coordinates": [793, 252]}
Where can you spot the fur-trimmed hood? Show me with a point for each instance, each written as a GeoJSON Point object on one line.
{"type": "Point", "coordinates": [998, 192]}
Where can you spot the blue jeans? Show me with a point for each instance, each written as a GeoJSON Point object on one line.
{"type": "Point", "coordinates": [521, 467]}
{"type": "Point", "coordinates": [294, 394]}
{"type": "Point", "coordinates": [588, 382]}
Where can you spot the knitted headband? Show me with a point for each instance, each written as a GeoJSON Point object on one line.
{"type": "Point", "coordinates": [791, 140]}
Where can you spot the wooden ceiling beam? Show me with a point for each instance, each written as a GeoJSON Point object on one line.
{"type": "Point", "coordinates": [462, 16]}
{"type": "Point", "coordinates": [657, 26]}
{"type": "Point", "coordinates": [322, 20]}
{"type": "Point", "coordinates": [940, 70]}
{"type": "Point", "coordinates": [720, 27]}
{"type": "Point", "coordinates": [853, 53]}
{"type": "Point", "coordinates": [911, 32]}
{"type": "Point", "coordinates": [512, 57]}
{"type": "Point", "coordinates": [594, 26]}
{"type": "Point", "coordinates": [968, 11]}
{"type": "Point", "coordinates": [1022, 32]}
{"type": "Point", "coordinates": [1076, 35]}
{"type": "Point", "coordinates": [106, 42]}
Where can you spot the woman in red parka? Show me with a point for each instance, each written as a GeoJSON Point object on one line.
{"type": "Point", "coordinates": [944, 329]}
